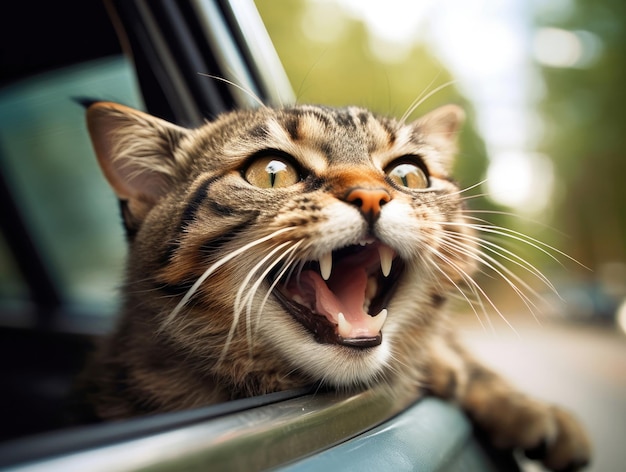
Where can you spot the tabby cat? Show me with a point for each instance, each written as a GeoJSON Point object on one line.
{"type": "Point", "coordinates": [278, 248]}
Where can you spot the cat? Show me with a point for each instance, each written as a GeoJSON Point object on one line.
{"type": "Point", "coordinates": [276, 248]}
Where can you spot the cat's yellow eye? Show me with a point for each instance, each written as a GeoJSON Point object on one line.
{"type": "Point", "coordinates": [408, 175]}
{"type": "Point", "coordinates": [271, 172]}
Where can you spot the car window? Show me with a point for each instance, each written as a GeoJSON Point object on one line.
{"type": "Point", "coordinates": [53, 175]}
{"type": "Point", "coordinates": [12, 285]}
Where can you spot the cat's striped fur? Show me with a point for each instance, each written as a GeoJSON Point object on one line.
{"type": "Point", "coordinates": [251, 236]}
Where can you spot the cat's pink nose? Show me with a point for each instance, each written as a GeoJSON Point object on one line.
{"type": "Point", "coordinates": [368, 200]}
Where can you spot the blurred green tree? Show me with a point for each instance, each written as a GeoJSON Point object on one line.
{"type": "Point", "coordinates": [585, 112]}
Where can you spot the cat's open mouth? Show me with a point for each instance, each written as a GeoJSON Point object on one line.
{"type": "Point", "coordinates": [342, 297]}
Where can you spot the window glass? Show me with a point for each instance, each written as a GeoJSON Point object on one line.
{"type": "Point", "coordinates": [53, 174]}
{"type": "Point", "coordinates": [12, 286]}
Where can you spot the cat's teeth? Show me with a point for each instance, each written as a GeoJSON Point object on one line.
{"type": "Point", "coordinates": [378, 321]}
{"type": "Point", "coordinates": [374, 325]}
{"type": "Point", "coordinates": [344, 327]}
{"type": "Point", "coordinates": [326, 265]}
{"type": "Point", "coordinates": [366, 241]}
{"type": "Point", "coordinates": [386, 259]}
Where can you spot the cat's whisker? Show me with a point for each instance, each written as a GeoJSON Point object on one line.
{"type": "Point", "coordinates": [467, 212]}
{"type": "Point", "coordinates": [464, 190]}
{"type": "Point", "coordinates": [478, 224]}
{"type": "Point", "coordinates": [207, 273]}
{"type": "Point", "coordinates": [471, 281]}
{"type": "Point", "coordinates": [514, 259]}
{"type": "Point", "coordinates": [247, 301]}
{"type": "Point", "coordinates": [483, 309]}
{"type": "Point", "coordinates": [260, 279]}
{"type": "Point", "coordinates": [461, 295]}
{"type": "Point", "coordinates": [288, 268]}
{"type": "Point", "coordinates": [290, 254]}
{"type": "Point", "coordinates": [464, 296]}
{"type": "Point", "coordinates": [434, 271]}
{"type": "Point", "coordinates": [474, 196]}
{"type": "Point", "coordinates": [295, 271]}
{"type": "Point", "coordinates": [248, 92]}
{"type": "Point", "coordinates": [422, 98]}
{"type": "Point", "coordinates": [506, 274]}
{"type": "Point", "coordinates": [422, 93]}
{"type": "Point", "coordinates": [240, 303]}
{"type": "Point", "coordinates": [524, 238]}
{"type": "Point", "coordinates": [505, 254]}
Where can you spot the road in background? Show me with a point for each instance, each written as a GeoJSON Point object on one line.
{"type": "Point", "coordinates": [581, 366]}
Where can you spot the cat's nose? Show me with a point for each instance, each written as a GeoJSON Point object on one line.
{"type": "Point", "coordinates": [368, 200]}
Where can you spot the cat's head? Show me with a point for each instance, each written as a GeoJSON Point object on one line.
{"type": "Point", "coordinates": [322, 235]}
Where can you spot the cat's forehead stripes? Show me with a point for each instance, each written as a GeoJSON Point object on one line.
{"type": "Point", "coordinates": [319, 137]}
{"type": "Point", "coordinates": [305, 125]}
{"type": "Point", "coordinates": [320, 123]}
{"type": "Point", "coordinates": [349, 135]}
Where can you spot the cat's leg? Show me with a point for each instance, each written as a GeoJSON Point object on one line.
{"type": "Point", "coordinates": [509, 418]}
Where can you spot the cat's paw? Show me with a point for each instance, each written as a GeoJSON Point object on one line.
{"type": "Point", "coordinates": [566, 447]}
{"type": "Point", "coordinates": [545, 433]}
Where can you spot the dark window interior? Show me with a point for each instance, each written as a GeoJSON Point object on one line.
{"type": "Point", "coordinates": [39, 36]}
{"type": "Point", "coordinates": [40, 350]}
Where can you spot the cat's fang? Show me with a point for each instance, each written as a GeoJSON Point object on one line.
{"type": "Point", "coordinates": [326, 265]}
{"type": "Point", "coordinates": [386, 259]}
{"type": "Point", "coordinates": [344, 327]}
{"type": "Point", "coordinates": [378, 321]}
{"type": "Point", "coordinates": [372, 326]}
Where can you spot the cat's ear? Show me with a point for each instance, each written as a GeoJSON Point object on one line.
{"type": "Point", "coordinates": [440, 128]}
{"type": "Point", "coordinates": [136, 152]}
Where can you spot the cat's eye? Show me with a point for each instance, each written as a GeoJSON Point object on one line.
{"type": "Point", "coordinates": [271, 172]}
{"type": "Point", "coordinates": [408, 175]}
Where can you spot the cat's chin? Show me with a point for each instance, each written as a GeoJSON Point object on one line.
{"type": "Point", "coordinates": [348, 306]}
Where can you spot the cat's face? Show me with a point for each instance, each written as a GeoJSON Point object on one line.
{"type": "Point", "coordinates": [322, 235]}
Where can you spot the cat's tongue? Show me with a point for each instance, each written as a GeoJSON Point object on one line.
{"type": "Point", "coordinates": [342, 297]}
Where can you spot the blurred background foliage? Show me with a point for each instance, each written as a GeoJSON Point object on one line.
{"type": "Point", "coordinates": [584, 112]}
{"type": "Point", "coordinates": [584, 109]}
{"type": "Point", "coordinates": [567, 155]}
